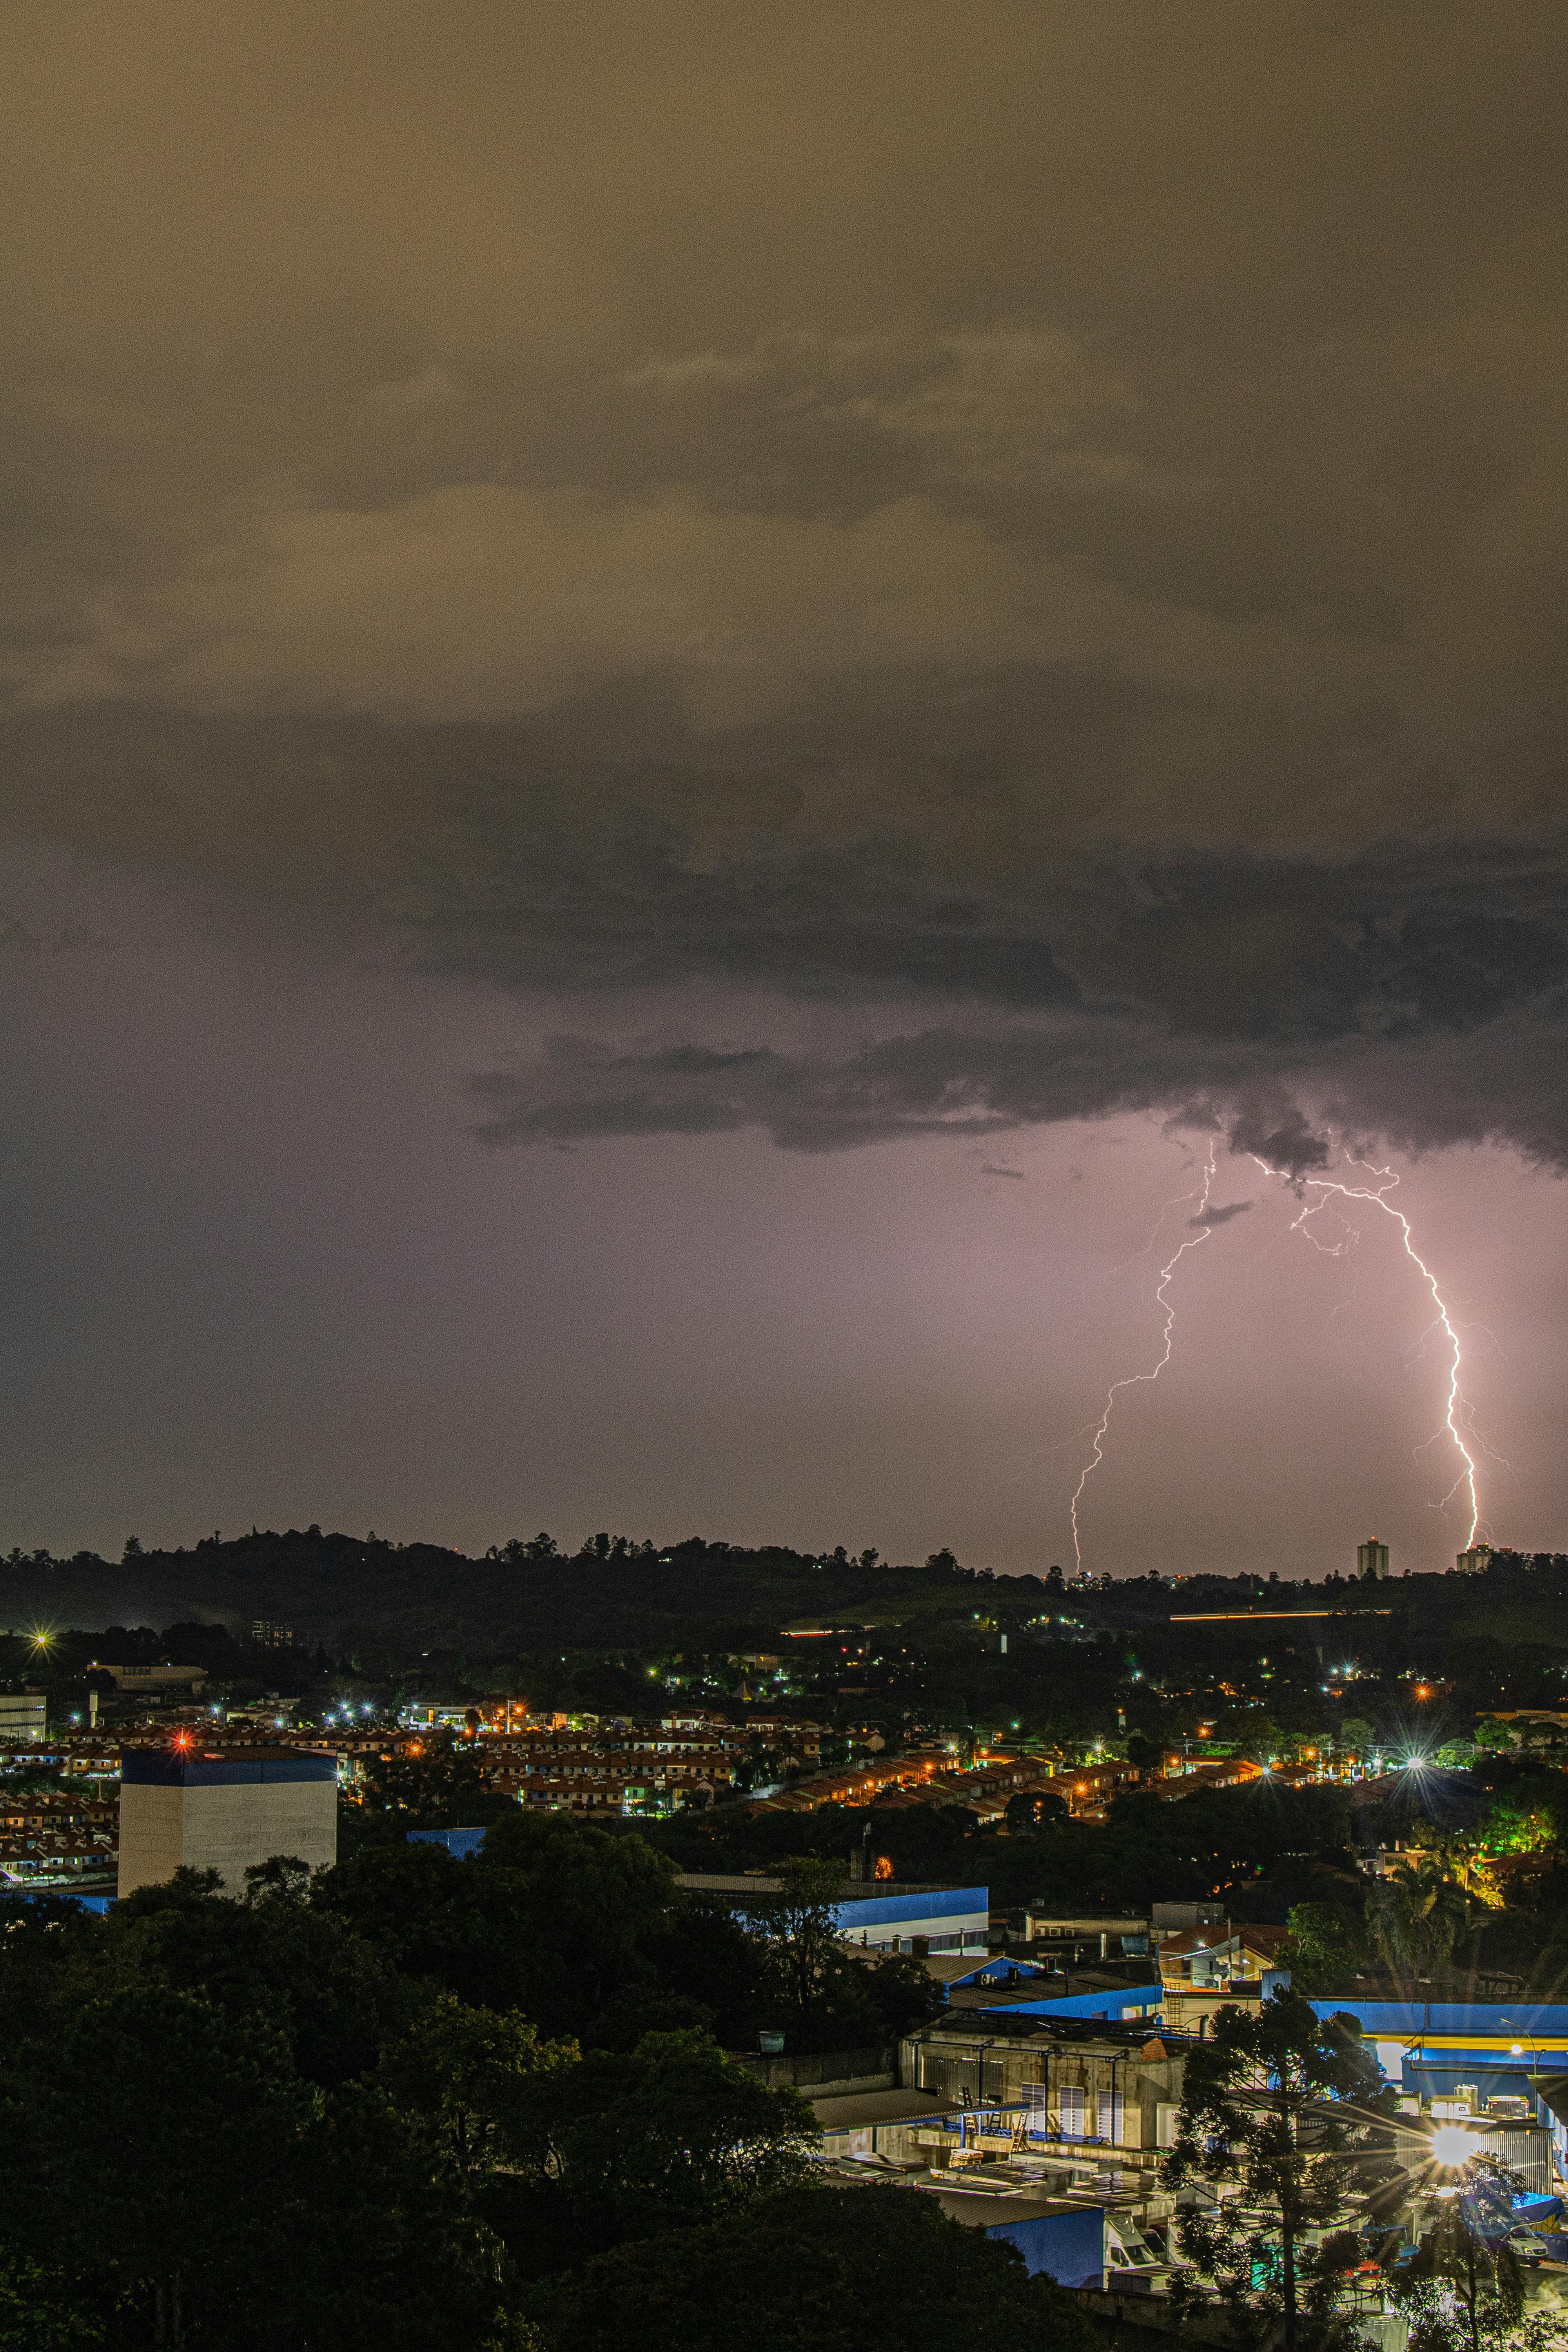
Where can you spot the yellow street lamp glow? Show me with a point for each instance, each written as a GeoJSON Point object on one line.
{"type": "Point", "coordinates": [1451, 2146]}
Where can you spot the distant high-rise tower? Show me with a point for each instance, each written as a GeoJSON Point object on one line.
{"type": "Point", "coordinates": [1372, 1559]}
{"type": "Point", "coordinates": [1476, 1561]}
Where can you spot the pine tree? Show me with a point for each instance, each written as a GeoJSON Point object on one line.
{"type": "Point", "coordinates": [1276, 2108]}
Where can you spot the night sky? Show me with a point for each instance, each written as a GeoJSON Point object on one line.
{"type": "Point", "coordinates": [693, 692]}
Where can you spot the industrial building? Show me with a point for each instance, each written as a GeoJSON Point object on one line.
{"type": "Point", "coordinates": [903, 1918]}
{"type": "Point", "coordinates": [24, 1714]}
{"type": "Point", "coordinates": [209, 1809]}
{"type": "Point", "coordinates": [1428, 2048]}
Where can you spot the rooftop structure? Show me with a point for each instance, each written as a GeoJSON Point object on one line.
{"type": "Point", "coordinates": [1204, 1966]}
{"type": "Point", "coordinates": [925, 1919]}
{"type": "Point", "coordinates": [131, 1681]}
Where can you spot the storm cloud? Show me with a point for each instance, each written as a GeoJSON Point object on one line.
{"type": "Point", "coordinates": [590, 590]}
{"type": "Point", "coordinates": [1043, 532]}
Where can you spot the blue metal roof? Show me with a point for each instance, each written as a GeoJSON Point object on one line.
{"type": "Point", "coordinates": [1482, 2020]}
{"type": "Point", "coordinates": [463, 1844]}
{"type": "Point", "coordinates": [1108, 2004]}
{"type": "Point", "coordinates": [891, 1910]}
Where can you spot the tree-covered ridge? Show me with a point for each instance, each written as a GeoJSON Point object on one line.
{"type": "Point", "coordinates": [531, 1592]}
{"type": "Point", "coordinates": [523, 1593]}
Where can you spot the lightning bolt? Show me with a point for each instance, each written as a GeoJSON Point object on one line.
{"type": "Point", "coordinates": [1459, 1417]}
{"type": "Point", "coordinates": [1136, 1380]}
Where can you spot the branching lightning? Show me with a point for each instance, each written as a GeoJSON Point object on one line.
{"type": "Point", "coordinates": [1135, 1380]}
{"type": "Point", "coordinates": [1458, 1419]}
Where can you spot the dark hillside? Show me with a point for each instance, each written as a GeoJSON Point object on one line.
{"type": "Point", "coordinates": [520, 1597]}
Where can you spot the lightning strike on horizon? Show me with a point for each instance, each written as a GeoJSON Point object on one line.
{"type": "Point", "coordinates": [1460, 1414]}
{"type": "Point", "coordinates": [1135, 1380]}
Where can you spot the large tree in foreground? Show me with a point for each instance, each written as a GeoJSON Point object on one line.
{"type": "Point", "coordinates": [1276, 2107]}
{"type": "Point", "coordinates": [813, 2270]}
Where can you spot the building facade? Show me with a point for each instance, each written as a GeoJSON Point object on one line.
{"type": "Point", "coordinates": [1090, 2100]}
{"type": "Point", "coordinates": [24, 1714]}
{"type": "Point", "coordinates": [206, 1809]}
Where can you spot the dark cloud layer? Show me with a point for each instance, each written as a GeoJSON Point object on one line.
{"type": "Point", "coordinates": [1038, 535]}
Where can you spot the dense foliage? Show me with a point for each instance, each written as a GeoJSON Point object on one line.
{"type": "Point", "coordinates": [400, 2104]}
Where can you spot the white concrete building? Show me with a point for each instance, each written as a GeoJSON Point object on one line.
{"type": "Point", "coordinates": [224, 1809]}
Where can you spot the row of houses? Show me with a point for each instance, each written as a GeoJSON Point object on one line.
{"type": "Point", "coordinates": [51, 1833]}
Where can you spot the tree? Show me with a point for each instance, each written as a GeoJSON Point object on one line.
{"type": "Point", "coordinates": [1416, 1915]}
{"type": "Point", "coordinates": [438, 1787]}
{"type": "Point", "coordinates": [803, 1921]}
{"type": "Point", "coordinates": [109, 2169]}
{"type": "Point", "coordinates": [464, 2068]}
{"type": "Point", "coordinates": [674, 2134]}
{"type": "Point", "coordinates": [1325, 1947]}
{"type": "Point", "coordinates": [1465, 2292]}
{"type": "Point", "coordinates": [558, 1920]}
{"type": "Point", "coordinates": [1036, 1809]}
{"type": "Point", "coordinates": [813, 2271]}
{"type": "Point", "coordinates": [1252, 1733]}
{"type": "Point", "coordinates": [386, 2252]}
{"type": "Point", "coordinates": [1528, 1813]}
{"type": "Point", "coordinates": [277, 1958]}
{"type": "Point", "coordinates": [40, 2313]}
{"type": "Point", "coordinates": [281, 1878]}
{"type": "Point", "coordinates": [1278, 2104]}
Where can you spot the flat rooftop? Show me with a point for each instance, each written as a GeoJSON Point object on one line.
{"type": "Point", "coordinates": [854, 2110]}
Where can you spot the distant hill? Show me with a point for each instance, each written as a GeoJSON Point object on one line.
{"type": "Point", "coordinates": [334, 1587]}
{"type": "Point", "coordinates": [524, 1597]}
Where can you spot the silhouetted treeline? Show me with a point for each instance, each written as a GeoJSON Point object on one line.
{"type": "Point", "coordinates": [526, 1593]}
